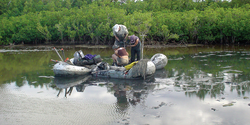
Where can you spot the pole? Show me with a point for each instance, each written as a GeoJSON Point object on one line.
{"type": "Point", "coordinates": [53, 60]}
{"type": "Point", "coordinates": [63, 54]}
{"type": "Point", "coordinates": [142, 45]}
{"type": "Point", "coordinates": [58, 54]}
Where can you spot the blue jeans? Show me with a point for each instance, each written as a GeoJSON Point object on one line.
{"type": "Point", "coordinates": [135, 51]}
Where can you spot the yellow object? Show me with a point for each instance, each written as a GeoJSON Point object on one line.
{"type": "Point", "coordinates": [128, 67]}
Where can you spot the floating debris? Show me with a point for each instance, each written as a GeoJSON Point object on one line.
{"type": "Point", "coordinates": [229, 104]}
{"type": "Point", "coordinates": [245, 97]}
{"type": "Point", "coordinates": [213, 109]}
{"type": "Point", "coordinates": [46, 76]}
{"type": "Point", "coordinates": [160, 105]}
{"type": "Point", "coordinates": [110, 84]}
{"type": "Point", "coordinates": [53, 85]}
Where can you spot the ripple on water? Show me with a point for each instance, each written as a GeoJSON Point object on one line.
{"type": "Point", "coordinates": [20, 108]}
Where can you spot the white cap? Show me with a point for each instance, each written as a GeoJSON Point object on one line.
{"type": "Point", "coordinates": [116, 27]}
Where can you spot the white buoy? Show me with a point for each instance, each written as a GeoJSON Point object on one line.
{"type": "Point", "coordinates": [160, 60]}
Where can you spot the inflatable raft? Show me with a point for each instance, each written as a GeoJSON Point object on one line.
{"type": "Point", "coordinates": [68, 69]}
{"type": "Point", "coordinates": [138, 71]}
{"type": "Point", "coordinates": [158, 61]}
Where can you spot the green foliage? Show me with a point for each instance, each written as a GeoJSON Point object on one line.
{"type": "Point", "coordinates": [90, 22]}
{"type": "Point", "coordinates": [140, 23]}
{"type": "Point", "coordinates": [44, 31]}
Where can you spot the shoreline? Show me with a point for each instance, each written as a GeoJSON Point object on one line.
{"type": "Point", "coordinates": [42, 46]}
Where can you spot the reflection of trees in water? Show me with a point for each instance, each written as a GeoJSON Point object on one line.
{"type": "Point", "coordinates": [128, 92]}
{"type": "Point", "coordinates": [237, 81]}
{"type": "Point", "coordinates": [196, 82]}
{"type": "Point", "coordinates": [202, 90]}
{"type": "Point", "coordinates": [37, 80]}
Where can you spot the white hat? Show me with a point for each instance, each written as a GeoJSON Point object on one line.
{"type": "Point", "coordinates": [116, 27]}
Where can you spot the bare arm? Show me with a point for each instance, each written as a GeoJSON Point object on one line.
{"type": "Point", "coordinates": [136, 42]}
{"type": "Point", "coordinates": [117, 38]}
{"type": "Point", "coordinates": [116, 52]}
{"type": "Point", "coordinates": [115, 34]}
{"type": "Point", "coordinates": [125, 37]}
{"type": "Point", "coordinates": [127, 53]}
{"type": "Point", "coordinates": [126, 30]}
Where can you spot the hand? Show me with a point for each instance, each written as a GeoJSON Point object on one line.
{"type": "Point", "coordinates": [117, 38]}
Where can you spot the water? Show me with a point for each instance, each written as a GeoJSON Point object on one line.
{"type": "Point", "coordinates": [199, 85]}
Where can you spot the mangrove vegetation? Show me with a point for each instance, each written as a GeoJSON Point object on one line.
{"type": "Point", "coordinates": [90, 21]}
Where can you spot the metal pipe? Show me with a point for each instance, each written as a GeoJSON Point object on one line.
{"type": "Point", "coordinates": [63, 54]}
{"type": "Point", "coordinates": [53, 60]}
{"type": "Point", "coordinates": [58, 54]}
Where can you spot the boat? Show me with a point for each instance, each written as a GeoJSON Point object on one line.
{"type": "Point", "coordinates": [157, 62]}
{"type": "Point", "coordinates": [76, 66]}
{"type": "Point", "coordinates": [138, 71]}
{"type": "Point", "coordinates": [69, 69]}
{"type": "Point", "coordinates": [61, 68]}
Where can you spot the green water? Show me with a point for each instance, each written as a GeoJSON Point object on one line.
{"type": "Point", "coordinates": [199, 85]}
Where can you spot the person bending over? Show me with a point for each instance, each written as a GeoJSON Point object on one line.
{"type": "Point", "coordinates": [120, 32]}
{"type": "Point", "coordinates": [120, 57]}
{"type": "Point", "coordinates": [135, 45]}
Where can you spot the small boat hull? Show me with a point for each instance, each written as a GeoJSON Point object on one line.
{"type": "Point", "coordinates": [121, 73]}
{"type": "Point", "coordinates": [65, 69]}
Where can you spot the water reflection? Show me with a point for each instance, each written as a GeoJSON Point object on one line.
{"type": "Point", "coordinates": [68, 83]}
{"type": "Point", "coordinates": [205, 80]}
{"type": "Point", "coordinates": [197, 83]}
{"type": "Point", "coordinates": [215, 87]}
{"type": "Point", "coordinates": [128, 92]}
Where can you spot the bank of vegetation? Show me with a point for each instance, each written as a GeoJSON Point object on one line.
{"type": "Point", "coordinates": [91, 21]}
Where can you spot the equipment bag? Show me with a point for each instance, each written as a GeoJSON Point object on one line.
{"type": "Point", "coordinates": [83, 61]}
{"type": "Point", "coordinates": [128, 67]}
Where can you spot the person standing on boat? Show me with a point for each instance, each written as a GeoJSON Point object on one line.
{"type": "Point", "coordinates": [135, 45]}
{"type": "Point", "coordinates": [120, 57]}
{"type": "Point", "coordinates": [120, 32]}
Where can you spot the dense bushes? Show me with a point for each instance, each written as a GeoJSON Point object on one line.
{"type": "Point", "coordinates": [88, 22]}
